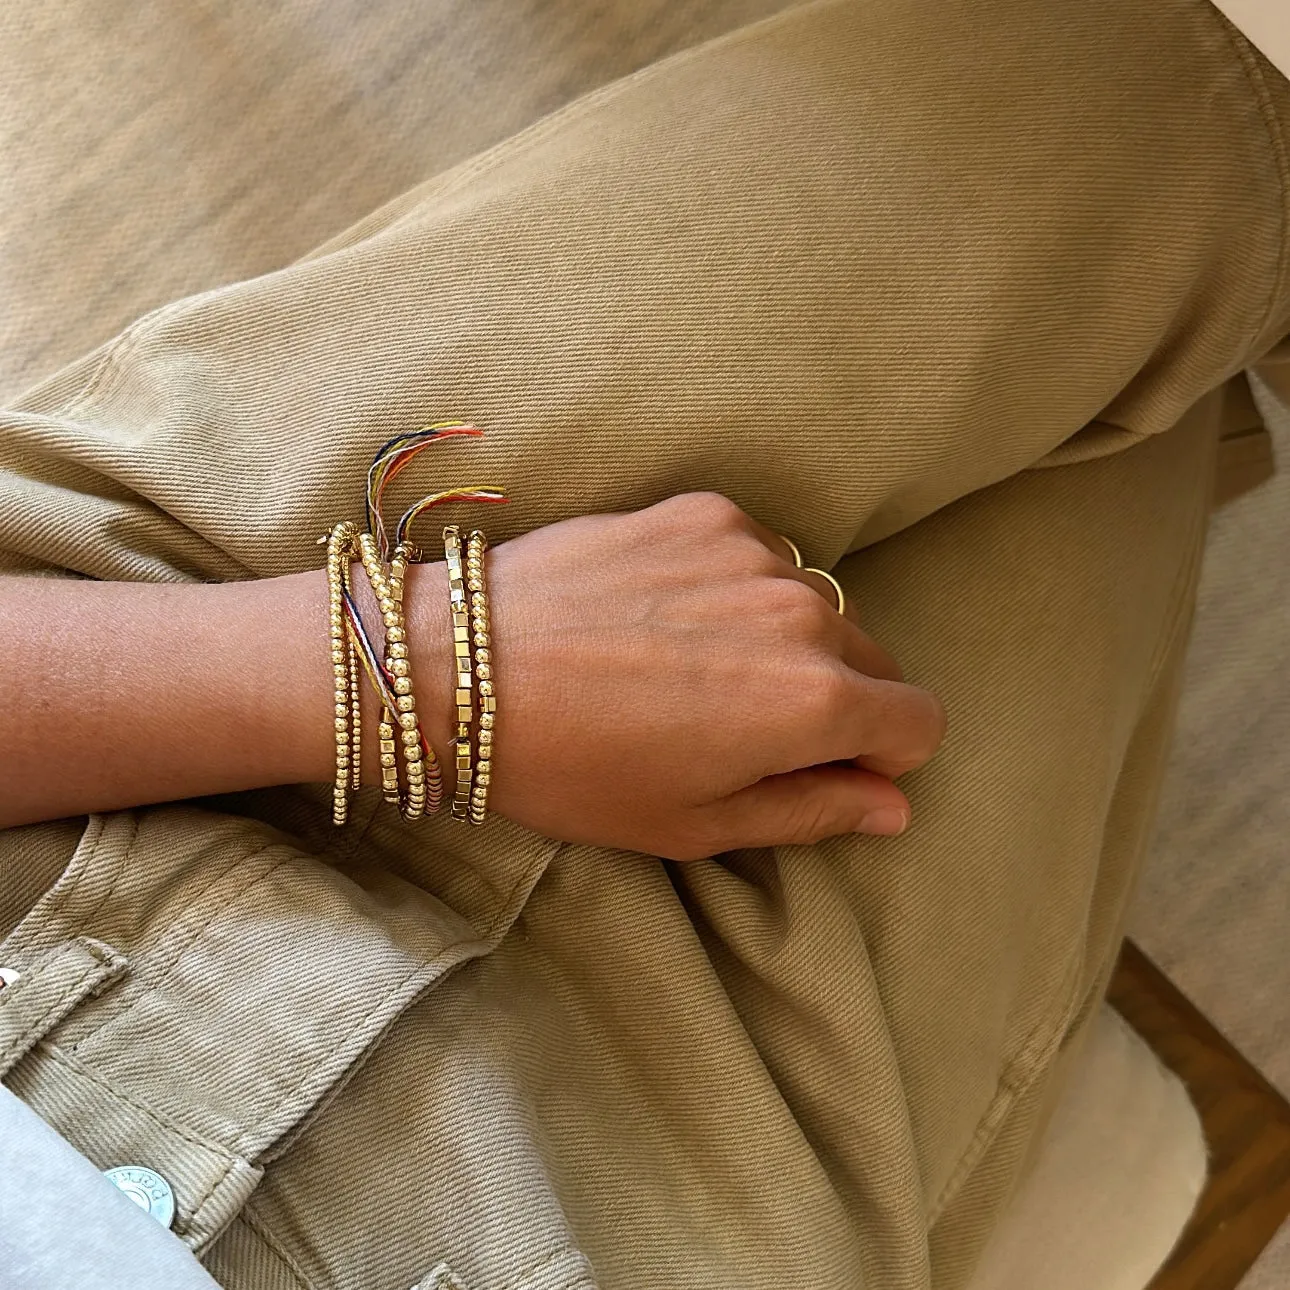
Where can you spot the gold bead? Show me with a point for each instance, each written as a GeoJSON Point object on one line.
{"type": "Point", "coordinates": [409, 737]}
{"type": "Point", "coordinates": [485, 737]}
{"type": "Point", "coordinates": [397, 651]}
{"type": "Point", "coordinates": [413, 752]}
{"type": "Point", "coordinates": [481, 638]}
{"type": "Point", "coordinates": [483, 671]}
{"type": "Point", "coordinates": [408, 720]}
{"type": "Point", "coordinates": [389, 759]}
{"type": "Point", "coordinates": [342, 724]}
{"type": "Point", "coordinates": [486, 720]}
{"type": "Point", "coordinates": [483, 656]}
{"type": "Point", "coordinates": [400, 667]}
{"type": "Point", "coordinates": [405, 703]}
{"type": "Point", "coordinates": [402, 685]}
{"type": "Point", "coordinates": [396, 634]}
{"type": "Point", "coordinates": [485, 688]}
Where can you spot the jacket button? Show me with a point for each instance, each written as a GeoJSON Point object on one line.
{"type": "Point", "coordinates": [147, 1188]}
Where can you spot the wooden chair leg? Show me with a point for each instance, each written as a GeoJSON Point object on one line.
{"type": "Point", "coordinates": [1246, 1122]}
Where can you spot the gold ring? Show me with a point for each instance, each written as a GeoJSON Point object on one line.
{"type": "Point", "coordinates": [835, 584]}
{"type": "Point", "coordinates": [792, 546]}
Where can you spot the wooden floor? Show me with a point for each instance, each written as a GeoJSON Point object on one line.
{"type": "Point", "coordinates": [1247, 1127]}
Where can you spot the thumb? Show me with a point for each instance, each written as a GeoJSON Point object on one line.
{"type": "Point", "coordinates": [807, 805]}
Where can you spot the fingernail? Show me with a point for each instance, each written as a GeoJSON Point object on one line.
{"type": "Point", "coordinates": [887, 822]}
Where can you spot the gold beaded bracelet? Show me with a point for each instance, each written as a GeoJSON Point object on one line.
{"type": "Point", "coordinates": [465, 681]}
{"type": "Point", "coordinates": [399, 726]}
{"type": "Point", "coordinates": [344, 661]}
{"type": "Point", "coordinates": [389, 761]}
{"type": "Point", "coordinates": [425, 777]}
{"type": "Point", "coordinates": [482, 641]}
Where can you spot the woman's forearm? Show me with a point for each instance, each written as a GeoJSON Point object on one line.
{"type": "Point", "coordinates": [120, 694]}
{"type": "Point", "coordinates": [667, 681]}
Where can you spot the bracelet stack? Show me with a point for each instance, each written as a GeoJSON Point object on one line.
{"type": "Point", "coordinates": [411, 777]}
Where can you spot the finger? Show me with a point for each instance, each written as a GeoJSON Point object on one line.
{"type": "Point", "coordinates": [805, 806]}
{"type": "Point", "coordinates": [884, 726]}
{"type": "Point", "coordinates": [858, 650]}
{"type": "Point", "coordinates": [900, 727]}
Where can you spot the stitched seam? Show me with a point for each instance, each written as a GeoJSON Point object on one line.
{"type": "Point", "coordinates": [432, 970]}
{"type": "Point", "coordinates": [436, 968]}
{"type": "Point", "coordinates": [211, 1189]}
{"type": "Point", "coordinates": [82, 858]}
{"type": "Point", "coordinates": [1013, 1083]}
{"type": "Point", "coordinates": [109, 364]}
{"type": "Point", "coordinates": [61, 1057]}
{"type": "Point", "coordinates": [577, 1273]}
{"type": "Point", "coordinates": [200, 1202]}
{"type": "Point", "coordinates": [37, 931]}
{"type": "Point", "coordinates": [1018, 1075]}
{"type": "Point", "coordinates": [122, 853]}
{"type": "Point", "coordinates": [176, 949]}
{"type": "Point", "coordinates": [276, 1247]}
{"type": "Point", "coordinates": [503, 919]}
{"type": "Point", "coordinates": [1263, 97]}
{"type": "Point", "coordinates": [1183, 605]}
{"type": "Point", "coordinates": [56, 1006]}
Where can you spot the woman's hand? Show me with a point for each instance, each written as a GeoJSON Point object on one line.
{"type": "Point", "coordinates": [668, 682]}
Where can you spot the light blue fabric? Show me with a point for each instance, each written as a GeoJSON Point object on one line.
{"type": "Point", "coordinates": [63, 1226]}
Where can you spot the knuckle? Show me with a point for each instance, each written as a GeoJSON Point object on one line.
{"type": "Point", "coordinates": [792, 602]}
{"type": "Point", "coordinates": [825, 691]}
{"type": "Point", "coordinates": [709, 510]}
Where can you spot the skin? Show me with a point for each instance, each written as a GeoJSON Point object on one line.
{"type": "Point", "coordinates": [667, 682]}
